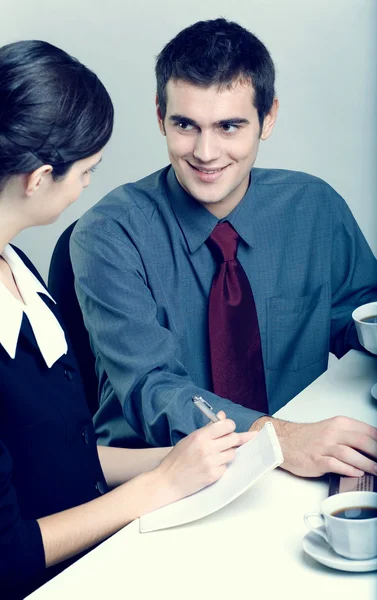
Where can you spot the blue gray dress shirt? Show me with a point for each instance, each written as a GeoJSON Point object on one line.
{"type": "Point", "coordinates": [143, 275]}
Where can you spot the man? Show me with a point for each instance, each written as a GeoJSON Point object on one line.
{"type": "Point", "coordinates": [161, 297]}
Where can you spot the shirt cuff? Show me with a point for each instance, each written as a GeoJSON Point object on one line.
{"type": "Point", "coordinates": [242, 416]}
{"type": "Point", "coordinates": [24, 558]}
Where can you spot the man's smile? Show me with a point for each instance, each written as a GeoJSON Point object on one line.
{"type": "Point", "coordinates": [208, 175]}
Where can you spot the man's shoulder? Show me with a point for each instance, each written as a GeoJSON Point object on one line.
{"type": "Point", "coordinates": [150, 187]}
{"type": "Point", "coordinates": [296, 188]}
{"type": "Point", "coordinates": [136, 194]}
{"type": "Point", "coordinates": [275, 177]}
{"type": "Point", "coordinates": [143, 196]}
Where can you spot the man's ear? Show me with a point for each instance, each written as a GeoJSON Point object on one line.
{"type": "Point", "coordinates": [160, 119]}
{"type": "Point", "coordinates": [36, 179]}
{"type": "Point", "coordinates": [270, 120]}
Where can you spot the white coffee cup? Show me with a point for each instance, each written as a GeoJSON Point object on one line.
{"type": "Point", "coordinates": [353, 538]}
{"type": "Point", "coordinates": [366, 332]}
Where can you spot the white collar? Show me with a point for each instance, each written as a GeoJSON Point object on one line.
{"type": "Point", "coordinates": [47, 330]}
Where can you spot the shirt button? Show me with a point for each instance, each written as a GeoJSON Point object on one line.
{"type": "Point", "coordinates": [68, 374]}
{"type": "Point", "coordinates": [100, 487]}
{"type": "Point", "coordinates": [85, 435]}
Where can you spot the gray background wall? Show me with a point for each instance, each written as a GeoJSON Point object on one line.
{"type": "Point", "coordinates": [325, 53]}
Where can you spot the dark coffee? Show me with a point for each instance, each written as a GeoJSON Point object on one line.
{"type": "Point", "coordinates": [356, 513]}
{"type": "Point", "coordinates": [372, 319]}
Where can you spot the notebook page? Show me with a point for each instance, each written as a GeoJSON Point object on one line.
{"type": "Point", "coordinates": [253, 460]}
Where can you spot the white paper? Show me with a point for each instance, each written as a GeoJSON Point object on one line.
{"type": "Point", "coordinates": [253, 460]}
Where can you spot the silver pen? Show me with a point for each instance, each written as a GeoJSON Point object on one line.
{"type": "Point", "coordinates": [205, 408]}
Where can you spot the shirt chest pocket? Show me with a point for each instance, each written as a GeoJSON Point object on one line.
{"type": "Point", "coordinates": [298, 330]}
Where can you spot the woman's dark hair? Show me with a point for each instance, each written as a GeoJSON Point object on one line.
{"type": "Point", "coordinates": [217, 52]}
{"type": "Point", "coordinates": [53, 110]}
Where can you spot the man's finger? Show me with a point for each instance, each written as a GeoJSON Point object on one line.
{"type": "Point", "coordinates": [353, 458]}
{"type": "Point", "coordinates": [349, 425]}
{"type": "Point", "coordinates": [336, 466]}
{"type": "Point", "coordinates": [360, 441]}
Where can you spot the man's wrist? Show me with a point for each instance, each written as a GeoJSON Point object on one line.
{"type": "Point", "coordinates": [259, 423]}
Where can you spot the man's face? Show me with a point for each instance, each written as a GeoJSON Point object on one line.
{"type": "Point", "coordinates": [213, 138]}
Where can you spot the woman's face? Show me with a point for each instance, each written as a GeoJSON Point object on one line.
{"type": "Point", "coordinates": [53, 197]}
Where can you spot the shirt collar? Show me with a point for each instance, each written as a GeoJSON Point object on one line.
{"type": "Point", "coordinates": [47, 330]}
{"type": "Point", "coordinates": [197, 223]}
{"type": "Point", "coordinates": [27, 282]}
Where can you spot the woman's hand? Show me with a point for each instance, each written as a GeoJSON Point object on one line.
{"type": "Point", "coordinates": [200, 458]}
{"type": "Point", "coordinates": [195, 462]}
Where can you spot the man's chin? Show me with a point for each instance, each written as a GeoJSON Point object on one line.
{"type": "Point", "coordinates": [205, 200]}
{"type": "Point", "coordinates": [208, 201]}
{"type": "Point", "coordinates": [200, 197]}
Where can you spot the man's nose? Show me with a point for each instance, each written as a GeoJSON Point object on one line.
{"type": "Point", "coordinates": [207, 148]}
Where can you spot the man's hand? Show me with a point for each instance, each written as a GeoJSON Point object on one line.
{"type": "Point", "coordinates": [336, 445]}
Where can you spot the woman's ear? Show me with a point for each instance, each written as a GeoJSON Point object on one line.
{"type": "Point", "coordinates": [35, 180]}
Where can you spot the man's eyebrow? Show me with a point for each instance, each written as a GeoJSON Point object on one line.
{"type": "Point", "coordinates": [179, 118]}
{"type": "Point", "coordinates": [233, 121]}
{"type": "Point", "coordinates": [230, 121]}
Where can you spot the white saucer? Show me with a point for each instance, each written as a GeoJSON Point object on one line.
{"type": "Point", "coordinates": [318, 548]}
{"type": "Point", "coordinates": [373, 391]}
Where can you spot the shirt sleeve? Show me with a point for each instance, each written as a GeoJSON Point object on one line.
{"type": "Point", "coordinates": [354, 276]}
{"type": "Point", "coordinates": [141, 358]}
{"type": "Point", "coordinates": [21, 548]}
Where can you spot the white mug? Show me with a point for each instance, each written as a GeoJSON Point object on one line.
{"type": "Point", "coordinates": [353, 538]}
{"type": "Point", "coordinates": [366, 332]}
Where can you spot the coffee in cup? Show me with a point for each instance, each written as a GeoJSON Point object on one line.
{"type": "Point", "coordinates": [371, 319]}
{"type": "Point", "coordinates": [365, 318]}
{"type": "Point", "coordinates": [356, 512]}
{"type": "Point", "coordinates": [350, 524]}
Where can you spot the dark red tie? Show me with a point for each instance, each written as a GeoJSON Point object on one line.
{"type": "Point", "coordinates": [235, 346]}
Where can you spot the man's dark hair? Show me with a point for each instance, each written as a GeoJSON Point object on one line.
{"type": "Point", "coordinates": [217, 52]}
{"type": "Point", "coordinates": [53, 110]}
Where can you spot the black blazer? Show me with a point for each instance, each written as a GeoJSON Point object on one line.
{"type": "Point", "coordinates": [48, 455]}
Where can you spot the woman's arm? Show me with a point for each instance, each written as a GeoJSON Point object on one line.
{"type": "Point", "coordinates": [122, 464]}
{"type": "Point", "coordinates": [195, 462]}
{"type": "Point", "coordinates": [72, 531]}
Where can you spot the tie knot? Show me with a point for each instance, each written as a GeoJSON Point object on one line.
{"type": "Point", "coordinates": [223, 242]}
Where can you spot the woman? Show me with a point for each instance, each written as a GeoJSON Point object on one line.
{"type": "Point", "coordinates": [55, 119]}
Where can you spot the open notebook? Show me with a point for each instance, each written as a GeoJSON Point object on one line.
{"type": "Point", "coordinates": [253, 460]}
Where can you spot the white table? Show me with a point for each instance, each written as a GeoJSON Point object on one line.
{"type": "Point", "coordinates": [249, 549]}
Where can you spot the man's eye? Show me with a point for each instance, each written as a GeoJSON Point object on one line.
{"type": "Point", "coordinates": [184, 126]}
{"type": "Point", "coordinates": [229, 128]}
